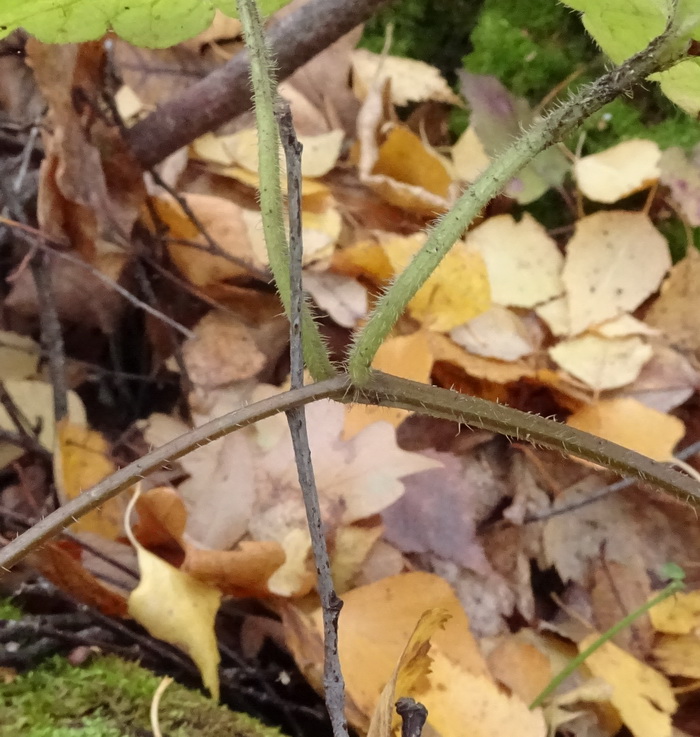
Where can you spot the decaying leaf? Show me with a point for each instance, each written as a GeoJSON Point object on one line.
{"type": "Point", "coordinates": [681, 174]}
{"type": "Point", "coordinates": [19, 356]}
{"type": "Point", "coordinates": [496, 333]}
{"type": "Point", "coordinates": [677, 615]}
{"type": "Point", "coordinates": [175, 607]}
{"type": "Point", "coordinates": [678, 655]}
{"type": "Point", "coordinates": [343, 298]}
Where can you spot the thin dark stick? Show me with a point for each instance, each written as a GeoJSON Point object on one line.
{"type": "Point", "coordinates": [334, 684]}
{"type": "Point", "coordinates": [413, 716]}
{"type": "Point", "coordinates": [51, 332]}
{"type": "Point", "coordinates": [26, 442]}
{"type": "Point", "coordinates": [604, 493]}
{"type": "Point", "coordinates": [225, 93]}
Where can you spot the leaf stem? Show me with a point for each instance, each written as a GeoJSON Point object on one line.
{"type": "Point", "coordinates": [573, 664]}
{"type": "Point", "coordinates": [271, 202]}
{"type": "Point", "coordinates": [543, 133]}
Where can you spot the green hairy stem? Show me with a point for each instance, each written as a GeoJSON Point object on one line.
{"type": "Point", "coordinates": [271, 202]}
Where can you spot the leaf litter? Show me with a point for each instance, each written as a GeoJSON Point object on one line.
{"type": "Point", "coordinates": [593, 325]}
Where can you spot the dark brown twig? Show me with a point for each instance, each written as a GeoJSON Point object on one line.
{"type": "Point", "coordinates": [333, 682]}
{"type": "Point", "coordinates": [225, 93]}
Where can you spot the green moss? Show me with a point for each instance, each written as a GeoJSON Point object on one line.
{"type": "Point", "coordinates": [110, 698]}
{"type": "Point", "coordinates": [434, 31]}
{"type": "Point", "coordinates": [8, 610]}
{"type": "Point", "coordinates": [530, 46]}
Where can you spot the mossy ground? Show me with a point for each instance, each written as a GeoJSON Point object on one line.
{"type": "Point", "coordinates": [109, 697]}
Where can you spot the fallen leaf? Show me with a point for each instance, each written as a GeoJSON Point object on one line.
{"type": "Point", "coordinates": [521, 667]}
{"type": "Point", "coordinates": [523, 263]}
{"type": "Point", "coordinates": [412, 668]}
{"type": "Point", "coordinates": [407, 356]}
{"type": "Point", "coordinates": [677, 615]}
{"type": "Point", "coordinates": [614, 261]}
{"type": "Point", "coordinates": [411, 80]}
{"type": "Point", "coordinates": [81, 460]}
{"type": "Point", "coordinates": [342, 297]}
{"type": "Point", "coordinates": [678, 656]}
{"type": "Point", "coordinates": [469, 157]}
{"type": "Point", "coordinates": [224, 222]}
{"type": "Point", "coordinates": [496, 333]}
{"type": "Point", "coordinates": [498, 118]}
{"type": "Point", "coordinates": [19, 356]}
{"type": "Point", "coordinates": [602, 363]}
{"type": "Point", "coordinates": [455, 292]}
{"type": "Point", "coordinates": [177, 608]}
{"type": "Point", "coordinates": [55, 561]}
{"type": "Point", "coordinates": [619, 171]}
{"type": "Point", "coordinates": [681, 173]}
{"type": "Point", "coordinates": [555, 314]}
{"type": "Point", "coordinates": [500, 372]}
{"type": "Point", "coordinates": [35, 400]}
{"type": "Point", "coordinates": [675, 311]}
{"type": "Point", "coordinates": [352, 546]}
{"type": "Point", "coordinates": [643, 697]}
{"type": "Point", "coordinates": [631, 424]}
{"type": "Point", "coordinates": [223, 351]}
{"type": "Point", "coordinates": [622, 326]}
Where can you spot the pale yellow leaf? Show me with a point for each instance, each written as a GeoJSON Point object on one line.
{"type": "Point", "coordinates": [624, 325]}
{"type": "Point", "coordinates": [342, 297]}
{"type": "Point", "coordinates": [456, 291]}
{"type": "Point", "coordinates": [469, 156]}
{"type": "Point", "coordinates": [631, 424]}
{"type": "Point", "coordinates": [677, 615]}
{"type": "Point", "coordinates": [351, 547]}
{"type": "Point", "coordinates": [618, 172]}
{"type": "Point", "coordinates": [643, 697]}
{"type": "Point", "coordinates": [177, 608]}
{"type": "Point", "coordinates": [602, 363]}
{"type": "Point", "coordinates": [19, 356]}
{"type": "Point", "coordinates": [407, 356]}
{"type": "Point", "coordinates": [555, 314]}
{"type": "Point", "coordinates": [496, 333]}
{"type": "Point", "coordinates": [128, 103]}
{"type": "Point", "coordinates": [411, 80]}
{"type": "Point", "coordinates": [523, 262]}
{"type": "Point", "coordinates": [614, 261]}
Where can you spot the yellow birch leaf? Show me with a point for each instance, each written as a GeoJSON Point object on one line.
{"type": "Point", "coordinates": [413, 666]}
{"type": "Point", "coordinates": [457, 290]}
{"type": "Point", "coordinates": [633, 425]}
{"type": "Point", "coordinates": [678, 655]}
{"type": "Point", "coordinates": [643, 696]}
{"type": "Point", "coordinates": [618, 172]}
{"type": "Point", "coordinates": [677, 615]}
{"type": "Point", "coordinates": [469, 156]}
{"type": "Point", "coordinates": [82, 459]}
{"type": "Point", "coordinates": [407, 356]}
{"type": "Point", "coordinates": [177, 608]}
{"type": "Point", "coordinates": [614, 261]}
{"type": "Point", "coordinates": [523, 262]}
